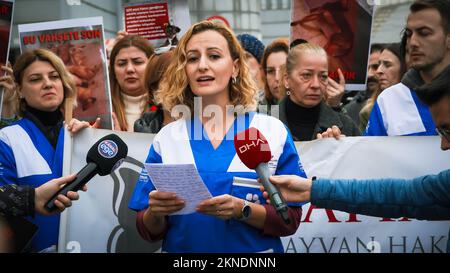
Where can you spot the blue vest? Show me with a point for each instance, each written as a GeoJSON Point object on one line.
{"type": "Point", "coordinates": [399, 112]}
{"type": "Point", "coordinates": [185, 142]}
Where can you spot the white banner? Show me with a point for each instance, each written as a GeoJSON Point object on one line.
{"type": "Point", "coordinates": [362, 158]}
{"type": "Point", "coordinates": [101, 221]}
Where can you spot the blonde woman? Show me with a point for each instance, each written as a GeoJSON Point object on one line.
{"type": "Point", "coordinates": [31, 150]}
{"type": "Point", "coordinates": [304, 110]}
{"type": "Point", "coordinates": [209, 82]}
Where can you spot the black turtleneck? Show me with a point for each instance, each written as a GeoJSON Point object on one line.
{"type": "Point", "coordinates": [301, 120]}
{"type": "Point", "coordinates": [50, 123]}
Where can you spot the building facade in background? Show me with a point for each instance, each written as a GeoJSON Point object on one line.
{"type": "Point", "coordinates": [265, 19]}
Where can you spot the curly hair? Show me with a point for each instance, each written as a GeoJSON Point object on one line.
{"type": "Point", "coordinates": [31, 56]}
{"type": "Point", "coordinates": [174, 88]}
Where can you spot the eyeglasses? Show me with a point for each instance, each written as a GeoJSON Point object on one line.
{"type": "Point", "coordinates": [444, 133]}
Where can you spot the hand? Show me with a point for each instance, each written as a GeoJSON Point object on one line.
{"type": "Point", "coordinates": [334, 131]}
{"type": "Point", "coordinates": [110, 43]}
{"type": "Point", "coordinates": [46, 191]}
{"type": "Point", "coordinates": [76, 125]}
{"type": "Point", "coordinates": [9, 91]}
{"type": "Point", "coordinates": [120, 34]}
{"type": "Point", "coordinates": [7, 82]}
{"type": "Point", "coordinates": [164, 203]}
{"type": "Point", "coordinates": [96, 124]}
{"type": "Point", "coordinates": [116, 122]}
{"type": "Point", "coordinates": [335, 90]}
{"type": "Point", "coordinates": [293, 188]}
{"type": "Point", "coordinates": [223, 206]}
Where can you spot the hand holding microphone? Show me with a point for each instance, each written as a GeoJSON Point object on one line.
{"type": "Point", "coordinates": [103, 157]}
{"type": "Point", "coordinates": [254, 151]}
{"type": "Point", "coordinates": [293, 188]}
{"type": "Point", "coordinates": [45, 191]}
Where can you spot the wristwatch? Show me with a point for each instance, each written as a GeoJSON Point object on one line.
{"type": "Point", "coordinates": [246, 211]}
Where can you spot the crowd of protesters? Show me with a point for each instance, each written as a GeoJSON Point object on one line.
{"type": "Point", "coordinates": [288, 81]}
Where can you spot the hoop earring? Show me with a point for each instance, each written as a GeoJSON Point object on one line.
{"type": "Point", "coordinates": [288, 93]}
{"type": "Point", "coordinates": [233, 80]}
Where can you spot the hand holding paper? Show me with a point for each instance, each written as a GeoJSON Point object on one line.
{"type": "Point", "coordinates": [223, 206]}
{"type": "Point", "coordinates": [176, 183]}
{"type": "Point", "coordinates": [164, 203]}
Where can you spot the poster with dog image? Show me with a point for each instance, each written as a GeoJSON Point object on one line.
{"type": "Point", "coordinates": [80, 45]}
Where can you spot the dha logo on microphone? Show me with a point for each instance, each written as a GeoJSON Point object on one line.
{"type": "Point", "coordinates": [108, 148]}
{"type": "Point", "coordinates": [244, 148]}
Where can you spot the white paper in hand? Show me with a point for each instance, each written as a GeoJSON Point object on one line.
{"type": "Point", "coordinates": [181, 179]}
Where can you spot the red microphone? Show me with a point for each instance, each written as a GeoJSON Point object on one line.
{"type": "Point", "coordinates": [254, 151]}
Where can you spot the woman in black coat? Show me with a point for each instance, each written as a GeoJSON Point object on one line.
{"type": "Point", "coordinates": [304, 111]}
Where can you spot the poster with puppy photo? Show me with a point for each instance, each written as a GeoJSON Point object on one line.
{"type": "Point", "coordinates": [342, 28]}
{"type": "Point", "coordinates": [80, 45]}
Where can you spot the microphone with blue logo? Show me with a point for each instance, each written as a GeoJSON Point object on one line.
{"type": "Point", "coordinates": [103, 157]}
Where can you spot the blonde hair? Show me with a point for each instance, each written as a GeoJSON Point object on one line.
{"type": "Point", "coordinates": [294, 56]}
{"type": "Point", "coordinates": [174, 88]}
{"type": "Point", "coordinates": [31, 56]}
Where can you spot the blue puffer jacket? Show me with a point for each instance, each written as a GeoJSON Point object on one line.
{"type": "Point", "coordinates": [424, 198]}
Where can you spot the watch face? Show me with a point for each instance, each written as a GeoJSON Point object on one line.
{"type": "Point", "coordinates": [246, 210]}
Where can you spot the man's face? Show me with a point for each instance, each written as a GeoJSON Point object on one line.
{"type": "Point", "coordinates": [372, 78]}
{"type": "Point", "coordinates": [440, 112]}
{"type": "Point", "coordinates": [427, 42]}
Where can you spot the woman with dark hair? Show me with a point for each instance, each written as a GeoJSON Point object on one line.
{"type": "Point", "coordinates": [390, 71]}
{"type": "Point", "coordinates": [273, 59]}
{"type": "Point", "coordinates": [127, 64]}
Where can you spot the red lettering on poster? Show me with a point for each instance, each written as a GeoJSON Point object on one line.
{"type": "Point", "coordinates": [4, 10]}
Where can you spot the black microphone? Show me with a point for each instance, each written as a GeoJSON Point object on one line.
{"type": "Point", "coordinates": [103, 157]}
{"type": "Point", "coordinates": [254, 151]}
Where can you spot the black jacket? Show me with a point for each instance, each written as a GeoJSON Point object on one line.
{"type": "Point", "coordinates": [150, 122]}
{"type": "Point", "coordinates": [353, 108]}
{"type": "Point", "coordinates": [16, 201]}
{"type": "Point", "coordinates": [327, 118]}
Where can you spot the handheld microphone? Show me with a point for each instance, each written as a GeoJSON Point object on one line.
{"type": "Point", "coordinates": [103, 157]}
{"type": "Point", "coordinates": [254, 151]}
